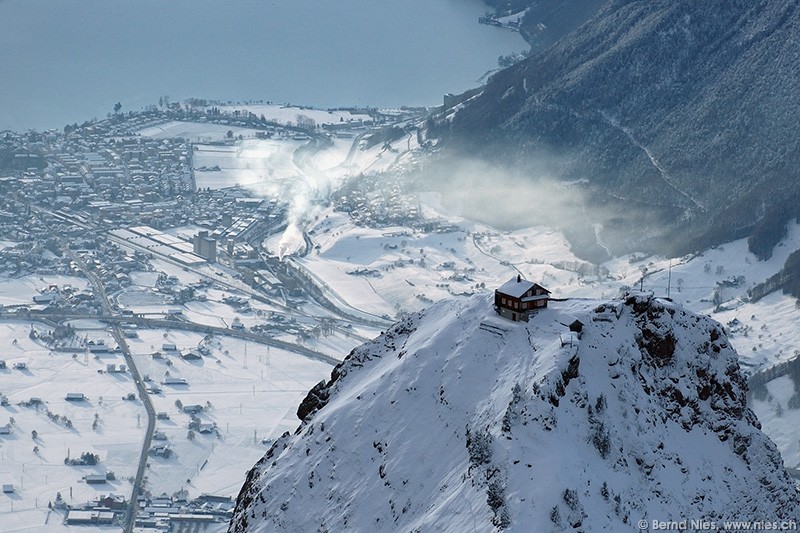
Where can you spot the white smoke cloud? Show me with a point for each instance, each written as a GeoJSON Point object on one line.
{"type": "Point", "coordinates": [527, 193]}
{"type": "Point", "coordinates": [291, 177]}
{"type": "Point", "coordinates": [292, 241]}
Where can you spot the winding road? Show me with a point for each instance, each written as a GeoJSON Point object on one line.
{"type": "Point", "coordinates": [116, 331]}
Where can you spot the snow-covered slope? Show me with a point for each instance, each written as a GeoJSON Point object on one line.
{"type": "Point", "coordinates": [457, 420]}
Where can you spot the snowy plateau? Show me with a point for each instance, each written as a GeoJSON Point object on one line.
{"type": "Point", "coordinates": [457, 420]}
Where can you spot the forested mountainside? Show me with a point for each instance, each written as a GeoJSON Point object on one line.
{"type": "Point", "coordinates": [543, 22]}
{"type": "Point", "coordinates": [679, 108]}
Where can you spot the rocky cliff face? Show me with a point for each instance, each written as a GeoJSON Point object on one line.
{"type": "Point", "coordinates": [678, 107]}
{"type": "Point", "coordinates": [457, 420]}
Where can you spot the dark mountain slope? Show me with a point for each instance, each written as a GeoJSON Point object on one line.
{"type": "Point", "coordinates": [688, 105]}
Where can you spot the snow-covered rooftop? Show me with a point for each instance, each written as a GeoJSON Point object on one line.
{"type": "Point", "coordinates": [516, 287]}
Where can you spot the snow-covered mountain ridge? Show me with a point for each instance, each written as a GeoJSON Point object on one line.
{"type": "Point", "coordinates": [457, 420]}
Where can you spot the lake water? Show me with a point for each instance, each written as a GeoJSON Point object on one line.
{"type": "Point", "coordinates": [70, 60]}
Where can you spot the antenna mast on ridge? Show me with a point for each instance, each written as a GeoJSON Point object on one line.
{"type": "Point", "coordinates": [669, 278]}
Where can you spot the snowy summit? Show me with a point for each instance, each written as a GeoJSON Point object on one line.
{"type": "Point", "coordinates": [459, 420]}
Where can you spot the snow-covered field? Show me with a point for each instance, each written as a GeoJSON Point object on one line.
{"type": "Point", "coordinates": [20, 291]}
{"type": "Point", "coordinates": [255, 164]}
{"type": "Point", "coordinates": [35, 466]}
{"type": "Point", "coordinates": [514, 18]}
{"type": "Point", "coordinates": [195, 131]}
{"type": "Point", "coordinates": [249, 391]}
{"type": "Point", "coordinates": [287, 114]}
{"type": "Point", "coordinates": [253, 392]}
